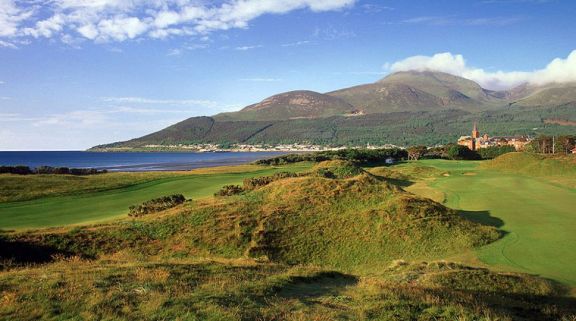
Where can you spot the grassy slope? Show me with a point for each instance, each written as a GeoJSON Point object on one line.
{"type": "Point", "coordinates": [112, 203]}
{"type": "Point", "coordinates": [537, 214]}
{"type": "Point", "coordinates": [343, 233]}
{"type": "Point", "coordinates": [244, 290]}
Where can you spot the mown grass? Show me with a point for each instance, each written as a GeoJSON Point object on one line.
{"type": "Point", "coordinates": [110, 203]}
{"type": "Point", "coordinates": [15, 188]}
{"type": "Point", "coordinates": [520, 194]}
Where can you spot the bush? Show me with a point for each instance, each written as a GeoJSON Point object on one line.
{"type": "Point", "coordinates": [253, 183]}
{"type": "Point", "coordinates": [495, 151]}
{"type": "Point", "coordinates": [25, 170]}
{"type": "Point", "coordinates": [156, 205]}
{"type": "Point", "coordinates": [359, 156]}
{"type": "Point", "coordinates": [18, 170]}
{"type": "Point", "coordinates": [459, 152]}
{"type": "Point", "coordinates": [229, 190]}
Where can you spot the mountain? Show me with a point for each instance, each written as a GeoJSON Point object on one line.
{"type": "Point", "coordinates": [419, 91]}
{"type": "Point", "coordinates": [292, 105]}
{"type": "Point", "coordinates": [403, 108]}
{"type": "Point", "coordinates": [552, 94]}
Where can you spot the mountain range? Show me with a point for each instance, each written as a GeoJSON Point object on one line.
{"type": "Point", "coordinates": [412, 107]}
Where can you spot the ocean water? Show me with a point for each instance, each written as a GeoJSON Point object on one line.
{"type": "Point", "coordinates": [130, 162]}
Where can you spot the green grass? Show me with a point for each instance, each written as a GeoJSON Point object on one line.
{"type": "Point", "coordinates": [537, 214]}
{"type": "Point", "coordinates": [87, 206]}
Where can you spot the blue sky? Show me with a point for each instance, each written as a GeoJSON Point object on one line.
{"type": "Point", "coordinates": [76, 73]}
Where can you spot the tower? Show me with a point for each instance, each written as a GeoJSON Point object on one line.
{"type": "Point", "coordinates": [475, 132]}
{"type": "Point", "coordinates": [475, 137]}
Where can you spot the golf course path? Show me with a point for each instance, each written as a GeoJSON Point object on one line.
{"type": "Point", "coordinates": [537, 217]}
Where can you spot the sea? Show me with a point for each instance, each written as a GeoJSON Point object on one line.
{"type": "Point", "coordinates": [131, 161]}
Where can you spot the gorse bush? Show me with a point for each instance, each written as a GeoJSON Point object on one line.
{"type": "Point", "coordinates": [25, 170]}
{"type": "Point", "coordinates": [229, 190]}
{"type": "Point", "coordinates": [337, 169]}
{"type": "Point", "coordinates": [253, 183]}
{"type": "Point", "coordinates": [156, 205]}
{"type": "Point", "coordinates": [495, 151]}
{"type": "Point", "coordinates": [360, 156]}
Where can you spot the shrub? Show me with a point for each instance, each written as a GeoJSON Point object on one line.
{"type": "Point", "coordinates": [25, 170]}
{"type": "Point", "coordinates": [459, 152]}
{"type": "Point", "coordinates": [19, 170]}
{"type": "Point", "coordinates": [253, 183]}
{"type": "Point", "coordinates": [156, 205]}
{"type": "Point", "coordinates": [229, 190]}
{"type": "Point", "coordinates": [360, 156]}
{"type": "Point", "coordinates": [495, 151]}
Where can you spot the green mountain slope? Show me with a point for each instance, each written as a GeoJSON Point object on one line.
{"type": "Point", "coordinates": [292, 105]}
{"type": "Point", "coordinates": [404, 108]}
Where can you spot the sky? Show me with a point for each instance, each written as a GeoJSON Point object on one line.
{"type": "Point", "coordinates": [78, 73]}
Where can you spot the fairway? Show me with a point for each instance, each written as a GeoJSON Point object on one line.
{"type": "Point", "coordinates": [105, 205]}
{"type": "Point", "coordinates": [538, 217]}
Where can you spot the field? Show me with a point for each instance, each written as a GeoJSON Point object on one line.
{"type": "Point", "coordinates": [66, 200]}
{"type": "Point", "coordinates": [335, 242]}
{"type": "Point", "coordinates": [536, 212]}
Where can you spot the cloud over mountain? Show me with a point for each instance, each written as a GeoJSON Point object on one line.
{"type": "Point", "coordinates": [559, 70]}
{"type": "Point", "coordinates": [120, 20]}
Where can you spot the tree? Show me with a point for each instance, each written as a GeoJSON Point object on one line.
{"type": "Point", "coordinates": [415, 152]}
{"type": "Point", "coordinates": [459, 152]}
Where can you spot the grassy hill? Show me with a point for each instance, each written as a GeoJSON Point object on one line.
{"type": "Point", "coordinates": [333, 243]}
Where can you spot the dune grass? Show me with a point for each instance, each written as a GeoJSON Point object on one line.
{"type": "Point", "coordinates": [115, 192]}
{"type": "Point", "coordinates": [244, 290]}
{"type": "Point", "coordinates": [536, 214]}
{"type": "Point", "coordinates": [348, 246]}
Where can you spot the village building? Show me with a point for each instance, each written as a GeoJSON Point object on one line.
{"type": "Point", "coordinates": [476, 141]}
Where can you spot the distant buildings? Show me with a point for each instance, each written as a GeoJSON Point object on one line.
{"type": "Point", "coordinates": [476, 141]}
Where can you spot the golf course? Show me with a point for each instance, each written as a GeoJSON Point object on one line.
{"type": "Point", "coordinates": [536, 215]}
{"type": "Point", "coordinates": [90, 207]}
{"type": "Point", "coordinates": [339, 240]}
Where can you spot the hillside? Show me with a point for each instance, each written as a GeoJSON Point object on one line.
{"type": "Point", "coordinates": [292, 105]}
{"type": "Point", "coordinates": [336, 243]}
{"type": "Point", "coordinates": [419, 91]}
{"type": "Point", "coordinates": [404, 108]}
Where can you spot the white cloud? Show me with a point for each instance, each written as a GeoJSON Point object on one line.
{"type": "Point", "coordinates": [5, 44]}
{"type": "Point", "coordinates": [245, 48]}
{"type": "Point", "coordinates": [559, 70]}
{"type": "Point", "coordinates": [2, 82]}
{"type": "Point", "coordinates": [120, 20]}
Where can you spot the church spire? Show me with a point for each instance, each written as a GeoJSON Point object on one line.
{"type": "Point", "coordinates": [475, 132]}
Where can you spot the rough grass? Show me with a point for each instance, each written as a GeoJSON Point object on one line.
{"type": "Point", "coordinates": [299, 248]}
{"type": "Point", "coordinates": [353, 224]}
{"type": "Point", "coordinates": [245, 290]}
{"type": "Point", "coordinates": [534, 164]}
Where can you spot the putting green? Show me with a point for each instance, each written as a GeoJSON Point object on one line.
{"type": "Point", "coordinates": [538, 217]}
{"type": "Point", "coordinates": [105, 205]}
